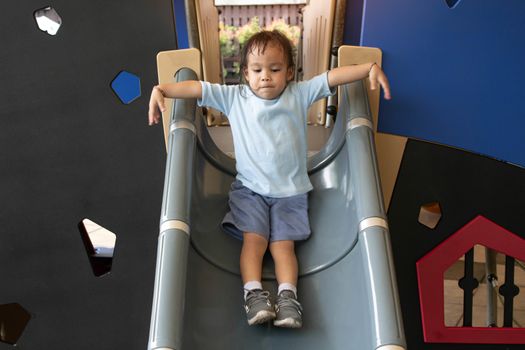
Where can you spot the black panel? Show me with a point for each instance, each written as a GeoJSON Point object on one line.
{"type": "Point", "coordinates": [465, 185]}
{"type": "Point", "coordinates": [71, 150]}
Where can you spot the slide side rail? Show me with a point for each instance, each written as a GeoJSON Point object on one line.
{"type": "Point", "coordinates": [174, 237]}
{"type": "Point", "coordinates": [374, 237]}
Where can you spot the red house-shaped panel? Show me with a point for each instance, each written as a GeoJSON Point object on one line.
{"type": "Point", "coordinates": [430, 271]}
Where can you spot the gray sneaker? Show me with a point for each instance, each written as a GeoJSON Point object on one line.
{"type": "Point", "coordinates": [258, 307]}
{"type": "Point", "coordinates": [289, 311]}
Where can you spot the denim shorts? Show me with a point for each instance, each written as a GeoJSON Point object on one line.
{"type": "Point", "coordinates": [276, 219]}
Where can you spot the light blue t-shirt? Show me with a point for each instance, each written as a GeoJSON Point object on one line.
{"type": "Point", "coordinates": [269, 136]}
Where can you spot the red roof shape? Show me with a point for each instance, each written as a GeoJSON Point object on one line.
{"type": "Point", "coordinates": [430, 272]}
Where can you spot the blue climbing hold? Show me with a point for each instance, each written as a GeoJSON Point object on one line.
{"type": "Point", "coordinates": [127, 87]}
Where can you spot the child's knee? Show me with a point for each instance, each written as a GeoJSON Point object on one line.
{"type": "Point", "coordinates": [282, 247]}
{"type": "Point", "coordinates": [254, 242]}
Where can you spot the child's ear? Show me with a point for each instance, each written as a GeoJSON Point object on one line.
{"type": "Point", "coordinates": [245, 73]}
{"type": "Point", "coordinates": [289, 74]}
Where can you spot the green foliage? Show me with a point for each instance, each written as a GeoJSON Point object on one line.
{"type": "Point", "coordinates": [227, 40]}
{"type": "Point", "coordinates": [246, 31]}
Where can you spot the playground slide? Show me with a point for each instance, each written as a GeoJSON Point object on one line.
{"type": "Point", "coordinates": [347, 282]}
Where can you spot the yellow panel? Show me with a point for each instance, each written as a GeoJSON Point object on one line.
{"type": "Point", "coordinates": [208, 26]}
{"type": "Point", "coordinates": [389, 148]}
{"type": "Point", "coordinates": [349, 55]}
{"type": "Point", "coordinates": [208, 23]}
{"type": "Point", "coordinates": [168, 63]}
{"type": "Point", "coordinates": [318, 23]}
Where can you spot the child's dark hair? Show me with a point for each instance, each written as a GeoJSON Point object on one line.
{"type": "Point", "coordinates": [258, 43]}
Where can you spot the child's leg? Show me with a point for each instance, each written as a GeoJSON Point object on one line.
{"type": "Point", "coordinates": [257, 302]}
{"type": "Point", "coordinates": [253, 248]}
{"type": "Point", "coordinates": [283, 254]}
{"type": "Point", "coordinates": [288, 309]}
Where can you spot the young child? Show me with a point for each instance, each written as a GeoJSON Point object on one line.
{"type": "Point", "coordinates": [268, 199]}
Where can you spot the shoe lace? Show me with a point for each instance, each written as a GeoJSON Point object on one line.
{"type": "Point", "coordinates": [284, 301]}
{"type": "Point", "coordinates": [255, 296]}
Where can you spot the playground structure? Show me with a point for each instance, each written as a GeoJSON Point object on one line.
{"type": "Point", "coordinates": [347, 277]}
{"type": "Point", "coordinates": [76, 150]}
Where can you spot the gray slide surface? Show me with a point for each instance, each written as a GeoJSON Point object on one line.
{"type": "Point", "coordinates": [347, 281]}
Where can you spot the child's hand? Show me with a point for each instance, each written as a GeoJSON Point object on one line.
{"type": "Point", "coordinates": [156, 105]}
{"type": "Point", "coordinates": [377, 76]}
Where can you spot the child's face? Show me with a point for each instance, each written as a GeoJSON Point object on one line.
{"type": "Point", "coordinates": [267, 73]}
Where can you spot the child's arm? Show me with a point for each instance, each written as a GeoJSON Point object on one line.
{"type": "Point", "coordinates": [348, 74]}
{"type": "Point", "coordinates": [184, 89]}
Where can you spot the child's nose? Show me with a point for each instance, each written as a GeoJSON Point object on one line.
{"type": "Point", "coordinates": [265, 76]}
